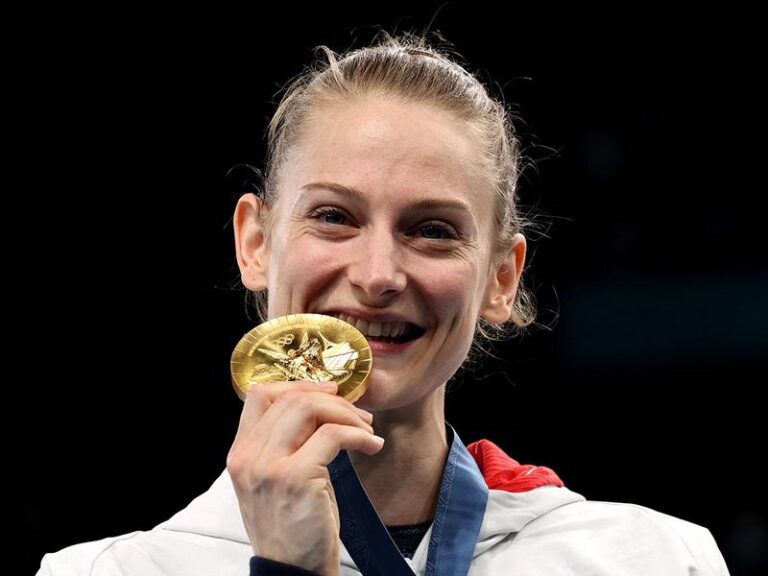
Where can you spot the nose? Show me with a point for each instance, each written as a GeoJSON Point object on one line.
{"type": "Point", "coordinates": [377, 274]}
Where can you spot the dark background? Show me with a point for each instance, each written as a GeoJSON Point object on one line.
{"type": "Point", "coordinates": [648, 262]}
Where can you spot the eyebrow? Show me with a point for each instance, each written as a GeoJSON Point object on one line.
{"type": "Point", "coordinates": [355, 194]}
{"type": "Point", "coordinates": [333, 187]}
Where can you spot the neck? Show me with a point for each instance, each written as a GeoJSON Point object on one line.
{"type": "Point", "coordinates": [403, 479]}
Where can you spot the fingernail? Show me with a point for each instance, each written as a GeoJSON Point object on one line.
{"type": "Point", "coordinates": [329, 386]}
{"type": "Point", "coordinates": [378, 439]}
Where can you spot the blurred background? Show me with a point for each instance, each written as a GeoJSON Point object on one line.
{"type": "Point", "coordinates": [642, 382]}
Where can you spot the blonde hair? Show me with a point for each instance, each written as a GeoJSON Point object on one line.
{"type": "Point", "coordinates": [407, 67]}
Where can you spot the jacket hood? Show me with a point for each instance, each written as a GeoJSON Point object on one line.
{"type": "Point", "coordinates": [509, 512]}
{"type": "Point", "coordinates": [518, 493]}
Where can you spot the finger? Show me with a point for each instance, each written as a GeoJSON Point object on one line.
{"type": "Point", "coordinates": [261, 396]}
{"type": "Point", "coordinates": [256, 403]}
{"type": "Point", "coordinates": [290, 398]}
{"type": "Point", "coordinates": [295, 416]}
{"type": "Point", "coordinates": [276, 389]}
{"type": "Point", "coordinates": [324, 445]}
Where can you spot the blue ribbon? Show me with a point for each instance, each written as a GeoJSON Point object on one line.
{"type": "Point", "coordinates": [460, 509]}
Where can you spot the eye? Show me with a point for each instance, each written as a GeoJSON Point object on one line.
{"type": "Point", "coordinates": [437, 231]}
{"type": "Point", "coordinates": [330, 216]}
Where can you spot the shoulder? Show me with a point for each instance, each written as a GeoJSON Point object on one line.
{"type": "Point", "coordinates": [82, 558]}
{"type": "Point", "coordinates": [206, 537]}
{"type": "Point", "coordinates": [157, 552]}
{"type": "Point", "coordinates": [626, 535]}
{"type": "Point", "coordinates": [534, 525]}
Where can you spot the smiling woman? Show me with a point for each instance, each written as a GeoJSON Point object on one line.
{"type": "Point", "coordinates": [389, 203]}
{"type": "Point", "coordinates": [381, 218]}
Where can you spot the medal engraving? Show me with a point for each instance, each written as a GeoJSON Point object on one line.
{"type": "Point", "coordinates": [310, 347]}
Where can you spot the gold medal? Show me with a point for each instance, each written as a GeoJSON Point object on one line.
{"type": "Point", "coordinates": [310, 347]}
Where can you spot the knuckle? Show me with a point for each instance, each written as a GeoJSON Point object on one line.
{"type": "Point", "coordinates": [282, 476]}
{"type": "Point", "coordinates": [297, 401]}
{"type": "Point", "coordinates": [331, 431]}
{"type": "Point", "coordinates": [236, 465]}
{"type": "Point", "coordinates": [276, 474]}
{"type": "Point", "coordinates": [256, 478]}
{"type": "Point", "coordinates": [294, 395]}
{"type": "Point", "coordinates": [255, 390]}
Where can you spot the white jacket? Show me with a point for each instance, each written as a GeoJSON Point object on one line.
{"type": "Point", "coordinates": [547, 531]}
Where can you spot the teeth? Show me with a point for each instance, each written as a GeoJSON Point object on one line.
{"type": "Point", "coordinates": [362, 325]}
{"type": "Point", "coordinates": [375, 329]}
{"type": "Point", "coordinates": [398, 329]}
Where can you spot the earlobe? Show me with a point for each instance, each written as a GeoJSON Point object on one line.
{"type": "Point", "coordinates": [251, 245]}
{"type": "Point", "coordinates": [503, 282]}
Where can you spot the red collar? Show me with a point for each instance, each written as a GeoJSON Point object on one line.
{"type": "Point", "coordinates": [503, 473]}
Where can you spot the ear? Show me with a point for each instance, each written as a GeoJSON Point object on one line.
{"type": "Point", "coordinates": [503, 282]}
{"type": "Point", "coordinates": [251, 242]}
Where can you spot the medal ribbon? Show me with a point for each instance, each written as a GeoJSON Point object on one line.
{"type": "Point", "coordinates": [460, 509]}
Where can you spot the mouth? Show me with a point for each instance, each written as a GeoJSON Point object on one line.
{"type": "Point", "coordinates": [385, 331]}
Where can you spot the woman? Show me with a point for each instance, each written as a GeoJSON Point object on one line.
{"type": "Point", "coordinates": [389, 202]}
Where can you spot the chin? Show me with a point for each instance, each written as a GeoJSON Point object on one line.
{"type": "Point", "coordinates": [385, 394]}
{"type": "Point", "coordinates": [376, 395]}
{"type": "Point", "coordinates": [380, 394]}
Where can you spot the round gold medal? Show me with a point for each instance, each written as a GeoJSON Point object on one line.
{"type": "Point", "coordinates": [310, 347]}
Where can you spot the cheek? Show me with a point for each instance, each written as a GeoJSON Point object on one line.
{"type": "Point", "coordinates": [453, 288]}
{"type": "Point", "coordinates": [299, 263]}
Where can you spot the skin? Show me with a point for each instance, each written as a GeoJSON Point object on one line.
{"type": "Point", "coordinates": [413, 242]}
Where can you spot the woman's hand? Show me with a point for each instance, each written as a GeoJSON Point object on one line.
{"type": "Point", "coordinates": [289, 432]}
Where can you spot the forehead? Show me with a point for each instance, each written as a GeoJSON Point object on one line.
{"type": "Point", "coordinates": [380, 145]}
